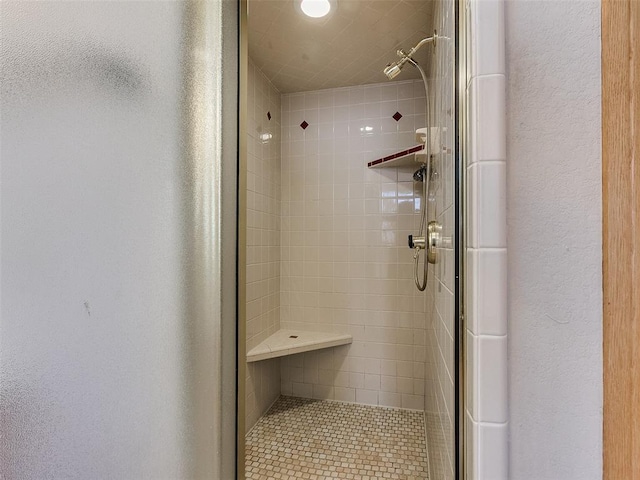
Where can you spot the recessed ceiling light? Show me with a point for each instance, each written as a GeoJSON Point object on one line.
{"type": "Point", "coordinates": [315, 8]}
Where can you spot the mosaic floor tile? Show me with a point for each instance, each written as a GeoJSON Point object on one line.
{"type": "Point", "coordinates": [316, 440]}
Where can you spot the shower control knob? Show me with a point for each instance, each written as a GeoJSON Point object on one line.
{"type": "Point", "coordinates": [434, 234]}
{"type": "Point", "coordinates": [416, 242]}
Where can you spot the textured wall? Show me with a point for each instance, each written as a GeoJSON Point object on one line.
{"type": "Point", "coordinates": [554, 236]}
{"type": "Point", "coordinates": [345, 264]}
{"type": "Point", "coordinates": [263, 238]}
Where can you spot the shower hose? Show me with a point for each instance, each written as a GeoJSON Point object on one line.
{"type": "Point", "coordinates": [426, 179]}
{"type": "Point", "coordinates": [423, 221]}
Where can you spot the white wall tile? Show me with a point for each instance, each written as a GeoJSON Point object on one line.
{"type": "Point", "coordinates": [487, 39]}
{"type": "Point", "coordinates": [492, 462]}
{"type": "Point", "coordinates": [488, 122]}
{"type": "Point", "coordinates": [472, 219]}
{"type": "Point", "coordinates": [413, 402]}
{"type": "Point", "coordinates": [487, 205]}
{"type": "Point", "coordinates": [471, 452]}
{"type": "Point", "coordinates": [367, 397]}
{"type": "Point", "coordinates": [390, 399]}
{"type": "Point", "coordinates": [323, 392]}
{"type": "Point", "coordinates": [491, 381]}
{"type": "Point", "coordinates": [486, 291]}
{"type": "Point", "coordinates": [343, 394]}
{"type": "Point", "coordinates": [492, 228]}
{"type": "Point", "coordinates": [486, 378]}
{"type": "Point", "coordinates": [491, 291]}
{"type": "Point", "coordinates": [304, 390]}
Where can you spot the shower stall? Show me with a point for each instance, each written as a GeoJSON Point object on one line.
{"type": "Point", "coordinates": [225, 223]}
{"type": "Point", "coordinates": [347, 161]}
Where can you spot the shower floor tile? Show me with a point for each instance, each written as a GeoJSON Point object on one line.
{"type": "Point", "coordinates": [313, 439]}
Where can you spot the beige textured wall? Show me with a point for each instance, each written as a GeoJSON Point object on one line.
{"type": "Point", "coordinates": [554, 190]}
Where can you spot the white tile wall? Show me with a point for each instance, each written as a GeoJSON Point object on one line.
{"type": "Point", "coordinates": [487, 282]}
{"type": "Point", "coordinates": [263, 239]}
{"type": "Point", "coordinates": [487, 38]}
{"type": "Point", "coordinates": [488, 124]}
{"type": "Point", "coordinates": [440, 369]}
{"type": "Point", "coordinates": [486, 265]}
{"type": "Point", "coordinates": [486, 195]}
{"type": "Point", "coordinates": [345, 264]}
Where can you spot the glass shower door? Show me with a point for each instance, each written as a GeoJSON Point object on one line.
{"type": "Point", "coordinates": [441, 394]}
{"type": "Point", "coordinates": [114, 356]}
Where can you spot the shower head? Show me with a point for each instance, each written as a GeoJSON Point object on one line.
{"type": "Point", "coordinates": [418, 175]}
{"type": "Point", "coordinates": [393, 69]}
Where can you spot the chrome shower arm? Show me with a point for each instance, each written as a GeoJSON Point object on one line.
{"type": "Point", "coordinates": [407, 55]}
{"type": "Point", "coordinates": [393, 69]}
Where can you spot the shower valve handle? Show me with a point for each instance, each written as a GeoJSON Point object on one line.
{"type": "Point", "coordinates": [416, 242]}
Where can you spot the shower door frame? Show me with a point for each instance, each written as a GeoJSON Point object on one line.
{"type": "Point", "coordinates": [460, 107]}
{"type": "Point", "coordinates": [241, 340]}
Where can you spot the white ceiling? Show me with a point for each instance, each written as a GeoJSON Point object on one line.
{"type": "Point", "coordinates": [350, 46]}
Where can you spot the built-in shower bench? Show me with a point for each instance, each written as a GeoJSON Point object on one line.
{"type": "Point", "coordinates": [290, 342]}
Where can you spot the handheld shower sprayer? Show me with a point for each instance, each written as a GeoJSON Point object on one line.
{"type": "Point", "coordinates": [393, 69]}
{"type": "Point", "coordinates": [425, 172]}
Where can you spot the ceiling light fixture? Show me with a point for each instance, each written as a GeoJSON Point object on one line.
{"type": "Point", "coordinates": [315, 8]}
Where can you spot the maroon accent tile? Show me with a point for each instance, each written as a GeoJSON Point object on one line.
{"type": "Point", "coordinates": [269, 115]}
{"type": "Point", "coordinates": [304, 124]}
{"type": "Point", "coordinates": [393, 156]}
{"type": "Point", "coordinates": [417, 148]}
{"type": "Point", "coordinates": [397, 116]}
